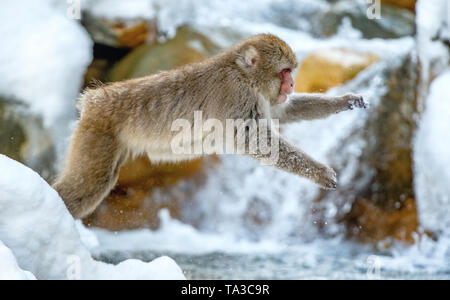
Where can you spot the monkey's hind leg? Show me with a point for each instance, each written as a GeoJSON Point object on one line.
{"type": "Point", "coordinates": [91, 170]}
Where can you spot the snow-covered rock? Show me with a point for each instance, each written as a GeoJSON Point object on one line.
{"type": "Point", "coordinates": [9, 270]}
{"type": "Point", "coordinates": [432, 158]}
{"type": "Point", "coordinates": [37, 227]}
{"type": "Point", "coordinates": [43, 58]}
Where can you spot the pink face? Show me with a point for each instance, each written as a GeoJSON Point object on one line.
{"type": "Point", "coordinates": [287, 85]}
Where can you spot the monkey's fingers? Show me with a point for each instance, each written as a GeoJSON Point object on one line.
{"type": "Point", "coordinates": [328, 179]}
{"type": "Point", "coordinates": [355, 101]}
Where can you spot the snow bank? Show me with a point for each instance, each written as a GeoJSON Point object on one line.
{"type": "Point", "coordinates": [43, 57]}
{"type": "Point", "coordinates": [36, 226]}
{"type": "Point", "coordinates": [433, 25]}
{"type": "Point", "coordinates": [432, 158]}
{"type": "Point", "coordinates": [9, 270]}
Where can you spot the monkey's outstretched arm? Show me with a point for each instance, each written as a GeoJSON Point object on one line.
{"type": "Point", "coordinates": [315, 106]}
{"type": "Point", "coordinates": [293, 160]}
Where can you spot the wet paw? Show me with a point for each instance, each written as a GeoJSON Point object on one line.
{"type": "Point", "coordinates": [328, 179]}
{"type": "Point", "coordinates": [355, 101]}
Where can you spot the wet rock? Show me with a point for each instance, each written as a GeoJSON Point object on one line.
{"type": "Point", "coordinates": [12, 135]}
{"type": "Point", "coordinates": [394, 22]}
{"type": "Point", "coordinates": [379, 188]}
{"type": "Point", "coordinates": [96, 72]}
{"type": "Point", "coordinates": [186, 47]}
{"type": "Point", "coordinates": [328, 68]}
{"type": "Point", "coordinates": [408, 4]}
{"type": "Point", "coordinates": [371, 223]}
{"type": "Point", "coordinates": [145, 188]}
{"type": "Point", "coordinates": [24, 138]}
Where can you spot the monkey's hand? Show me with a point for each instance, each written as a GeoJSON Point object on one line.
{"type": "Point", "coordinates": [353, 101]}
{"type": "Point", "coordinates": [327, 178]}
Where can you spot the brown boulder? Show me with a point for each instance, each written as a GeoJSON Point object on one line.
{"type": "Point", "coordinates": [408, 4]}
{"type": "Point", "coordinates": [328, 68]}
{"type": "Point", "coordinates": [144, 189]}
{"type": "Point", "coordinates": [186, 47]}
{"type": "Point", "coordinates": [120, 32]}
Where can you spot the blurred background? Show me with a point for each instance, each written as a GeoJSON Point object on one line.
{"type": "Point", "coordinates": [228, 217]}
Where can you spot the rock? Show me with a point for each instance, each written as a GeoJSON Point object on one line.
{"type": "Point", "coordinates": [127, 33]}
{"type": "Point", "coordinates": [376, 182]}
{"type": "Point", "coordinates": [408, 4]}
{"type": "Point", "coordinates": [24, 138]}
{"type": "Point", "coordinates": [96, 72]}
{"type": "Point", "coordinates": [144, 188]}
{"type": "Point", "coordinates": [389, 134]}
{"type": "Point", "coordinates": [394, 22]}
{"type": "Point", "coordinates": [371, 223]}
{"type": "Point", "coordinates": [328, 68]}
{"type": "Point", "coordinates": [12, 135]}
{"type": "Point", "coordinates": [186, 47]}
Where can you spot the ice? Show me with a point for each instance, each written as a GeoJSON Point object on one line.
{"type": "Point", "coordinates": [37, 227]}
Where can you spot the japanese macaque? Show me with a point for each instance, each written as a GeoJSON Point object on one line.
{"type": "Point", "coordinates": [251, 80]}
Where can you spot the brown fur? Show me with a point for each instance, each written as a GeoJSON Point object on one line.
{"type": "Point", "coordinates": [135, 116]}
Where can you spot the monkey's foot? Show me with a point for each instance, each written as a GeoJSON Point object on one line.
{"type": "Point", "coordinates": [357, 101]}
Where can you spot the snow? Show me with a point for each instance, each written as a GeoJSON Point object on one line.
{"type": "Point", "coordinates": [431, 147]}
{"type": "Point", "coordinates": [43, 57]}
{"type": "Point", "coordinates": [433, 16]}
{"type": "Point", "coordinates": [119, 9]}
{"type": "Point", "coordinates": [9, 270]}
{"type": "Point", "coordinates": [36, 226]}
{"type": "Point", "coordinates": [432, 158]}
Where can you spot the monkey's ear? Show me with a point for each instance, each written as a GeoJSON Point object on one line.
{"type": "Point", "coordinates": [248, 58]}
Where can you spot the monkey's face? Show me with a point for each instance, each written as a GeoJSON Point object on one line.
{"type": "Point", "coordinates": [269, 61]}
{"type": "Point", "coordinates": [278, 61]}
{"type": "Point", "coordinates": [280, 83]}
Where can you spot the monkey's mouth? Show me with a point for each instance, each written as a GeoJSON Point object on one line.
{"type": "Point", "coordinates": [287, 85]}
